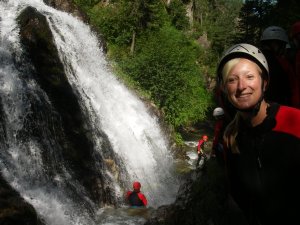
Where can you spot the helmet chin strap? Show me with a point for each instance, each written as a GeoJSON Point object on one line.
{"type": "Point", "coordinates": [253, 110]}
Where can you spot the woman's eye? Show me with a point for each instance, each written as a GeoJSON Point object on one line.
{"type": "Point", "coordinates": [231, 80]}
{"type": "Point", "coordinates": [250, 76]}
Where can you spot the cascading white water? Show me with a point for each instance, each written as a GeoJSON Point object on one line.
{"type": "Point", "coordinates": [21, 163]}
{"type": "Point", "coordinates": [133, 133]}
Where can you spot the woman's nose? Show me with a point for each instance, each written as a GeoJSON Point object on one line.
{"type": "Point", "coordinates": [242, 84]}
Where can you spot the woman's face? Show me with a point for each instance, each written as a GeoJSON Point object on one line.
{"type": "Point", "coordinates": [243, 84]}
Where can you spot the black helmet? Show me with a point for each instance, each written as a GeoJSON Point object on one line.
{"type": "Point", "coordinates": [244, 51]}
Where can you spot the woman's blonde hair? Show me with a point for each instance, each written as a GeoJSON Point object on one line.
{"type": "Point", "coordinates": [230, 64]}
{"type": "Point", "coordinates": [231, 133]}
{"type": "Point", "coordinates": [227, 67]}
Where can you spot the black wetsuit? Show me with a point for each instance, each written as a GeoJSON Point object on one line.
{"type": "Point", "coordinates": [134, 199]}
{"type": "Point", "coordinates": [264, 176]}
{"type": "Point", "coordinates": [279, 89]}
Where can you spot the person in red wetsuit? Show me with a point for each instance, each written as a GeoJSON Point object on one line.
{"type": "Point", "coordinates": [200, 148]}
{"type": "Point", "coordinates": [262, 142]}
{"type": "Point", "coordinates": [217, 145]}
{"type": "Point", "coordinates": [136, 198]}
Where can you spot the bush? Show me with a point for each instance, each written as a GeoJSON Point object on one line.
{"type": "Point", "coordinates": [165, 65]}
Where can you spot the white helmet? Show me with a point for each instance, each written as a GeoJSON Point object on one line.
{"type": "Point", "coordinates": [274, 33]}
{"type": "Point", "coordinates": [218, 112]}
{"type": "Point", "coordinates": [247, 51]}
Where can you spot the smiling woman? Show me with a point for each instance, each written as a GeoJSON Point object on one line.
{"type": "Point", "coordinates": [243, 82]}
{"type": "Point", "coordinates": [265, 189]}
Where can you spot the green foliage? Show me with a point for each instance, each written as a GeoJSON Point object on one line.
{"type": "Point", "coordinates": [254, 15]}
{"type": "Point", "coordinates": [119, 21]}
{"type": "Point", "coordinates": [218, 19]}
{"type": "Point", "coordinates": [157, 50]}
{"type": "Point", "coordinates": [114, 24]}
{"type": "Point", "coordinates": [178, 139]}
{"type": "Point", "coordinates": [177, 13]}
{"type": "Point", "coordinates": [86, 4]}
{"type": "Point", "coordinates": [164, 64]}
{"type": "Point", "coordinates": [223, 21]}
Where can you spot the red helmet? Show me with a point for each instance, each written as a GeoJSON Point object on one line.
{"type": "Point", "coordinates": [136, 185]}
{"type": "Point", "coordinates": [295, 28]}
{"type": "Point", "coordinates": [205, 137]}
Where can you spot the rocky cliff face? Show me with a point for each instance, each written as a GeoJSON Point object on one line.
{"type": "Point", "coordinates": [78, 152]}
{"type": "Point", "coordinates": [14, 210]}
{"type": "Point", "coordinates": [67, 6]}
{"type": "Point", "coordinates": [201, 200]}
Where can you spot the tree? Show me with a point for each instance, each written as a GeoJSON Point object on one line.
{"type": "Point", "coordinates": [122, 21]}
{"type": "Point", "coordinates": [164, 65]}
{"type": "Point", "coordinates": [285, 13]}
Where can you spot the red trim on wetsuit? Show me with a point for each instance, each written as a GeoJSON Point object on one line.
{"type": "Point", "coordinates": [287, 118]}
{"type": "Point", "coordinates": [143, 198]}
{"type": "Point", "coordinates": [140, 195]}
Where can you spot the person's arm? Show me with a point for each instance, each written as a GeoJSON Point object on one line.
{"type": "Point", "coordinates": [143, 198]}
{"type": "Point", "coordinates": [128, 194]}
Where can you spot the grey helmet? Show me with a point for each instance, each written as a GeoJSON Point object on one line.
{"type": "Point", "coordinates": [218, 112]}
{"type": "Point", "coordinates": [274, 33]}
{"type": "Point", "coordinates": [244, 50]}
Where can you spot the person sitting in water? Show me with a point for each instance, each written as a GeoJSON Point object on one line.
{"type": "Point", "coordinates": [136, 198]}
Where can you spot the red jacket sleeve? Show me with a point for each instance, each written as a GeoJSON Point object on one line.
{"type": "Point", "coordinates": [143, 198]}
{"type": "Point", "coordinates": [199, 145]}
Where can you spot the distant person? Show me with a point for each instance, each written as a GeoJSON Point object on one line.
{"type": "Point", "coordinates": [262, 142]}
{"type": "Point", "coordinates": [222, 101]}
{"type": "Point", "coordinates": [200, 148]}
{"type": "Point", "coordinates": [136, 198]}
{"type": "Point", "coordinates": [295, 43]}
{"type": "Point", "coordinates": [283, 86]}
{"type": "Point", "coordinates": [220, 124]}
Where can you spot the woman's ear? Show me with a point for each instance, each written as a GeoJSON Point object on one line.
{"type": "Point", "coordinates": [265, 85]}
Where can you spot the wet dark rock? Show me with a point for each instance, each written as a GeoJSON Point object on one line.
{"type": "Point", "coordinates": [201, 200]}
{"type": "Point", "coordinates": [13, 209]}
{"type": "Point", "coordinates": [77, 146]}
{"type": "Point", "coordinates": [69, 7]}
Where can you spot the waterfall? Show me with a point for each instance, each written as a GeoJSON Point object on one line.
{"type": "Point", "coordinates": [133, 133]}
